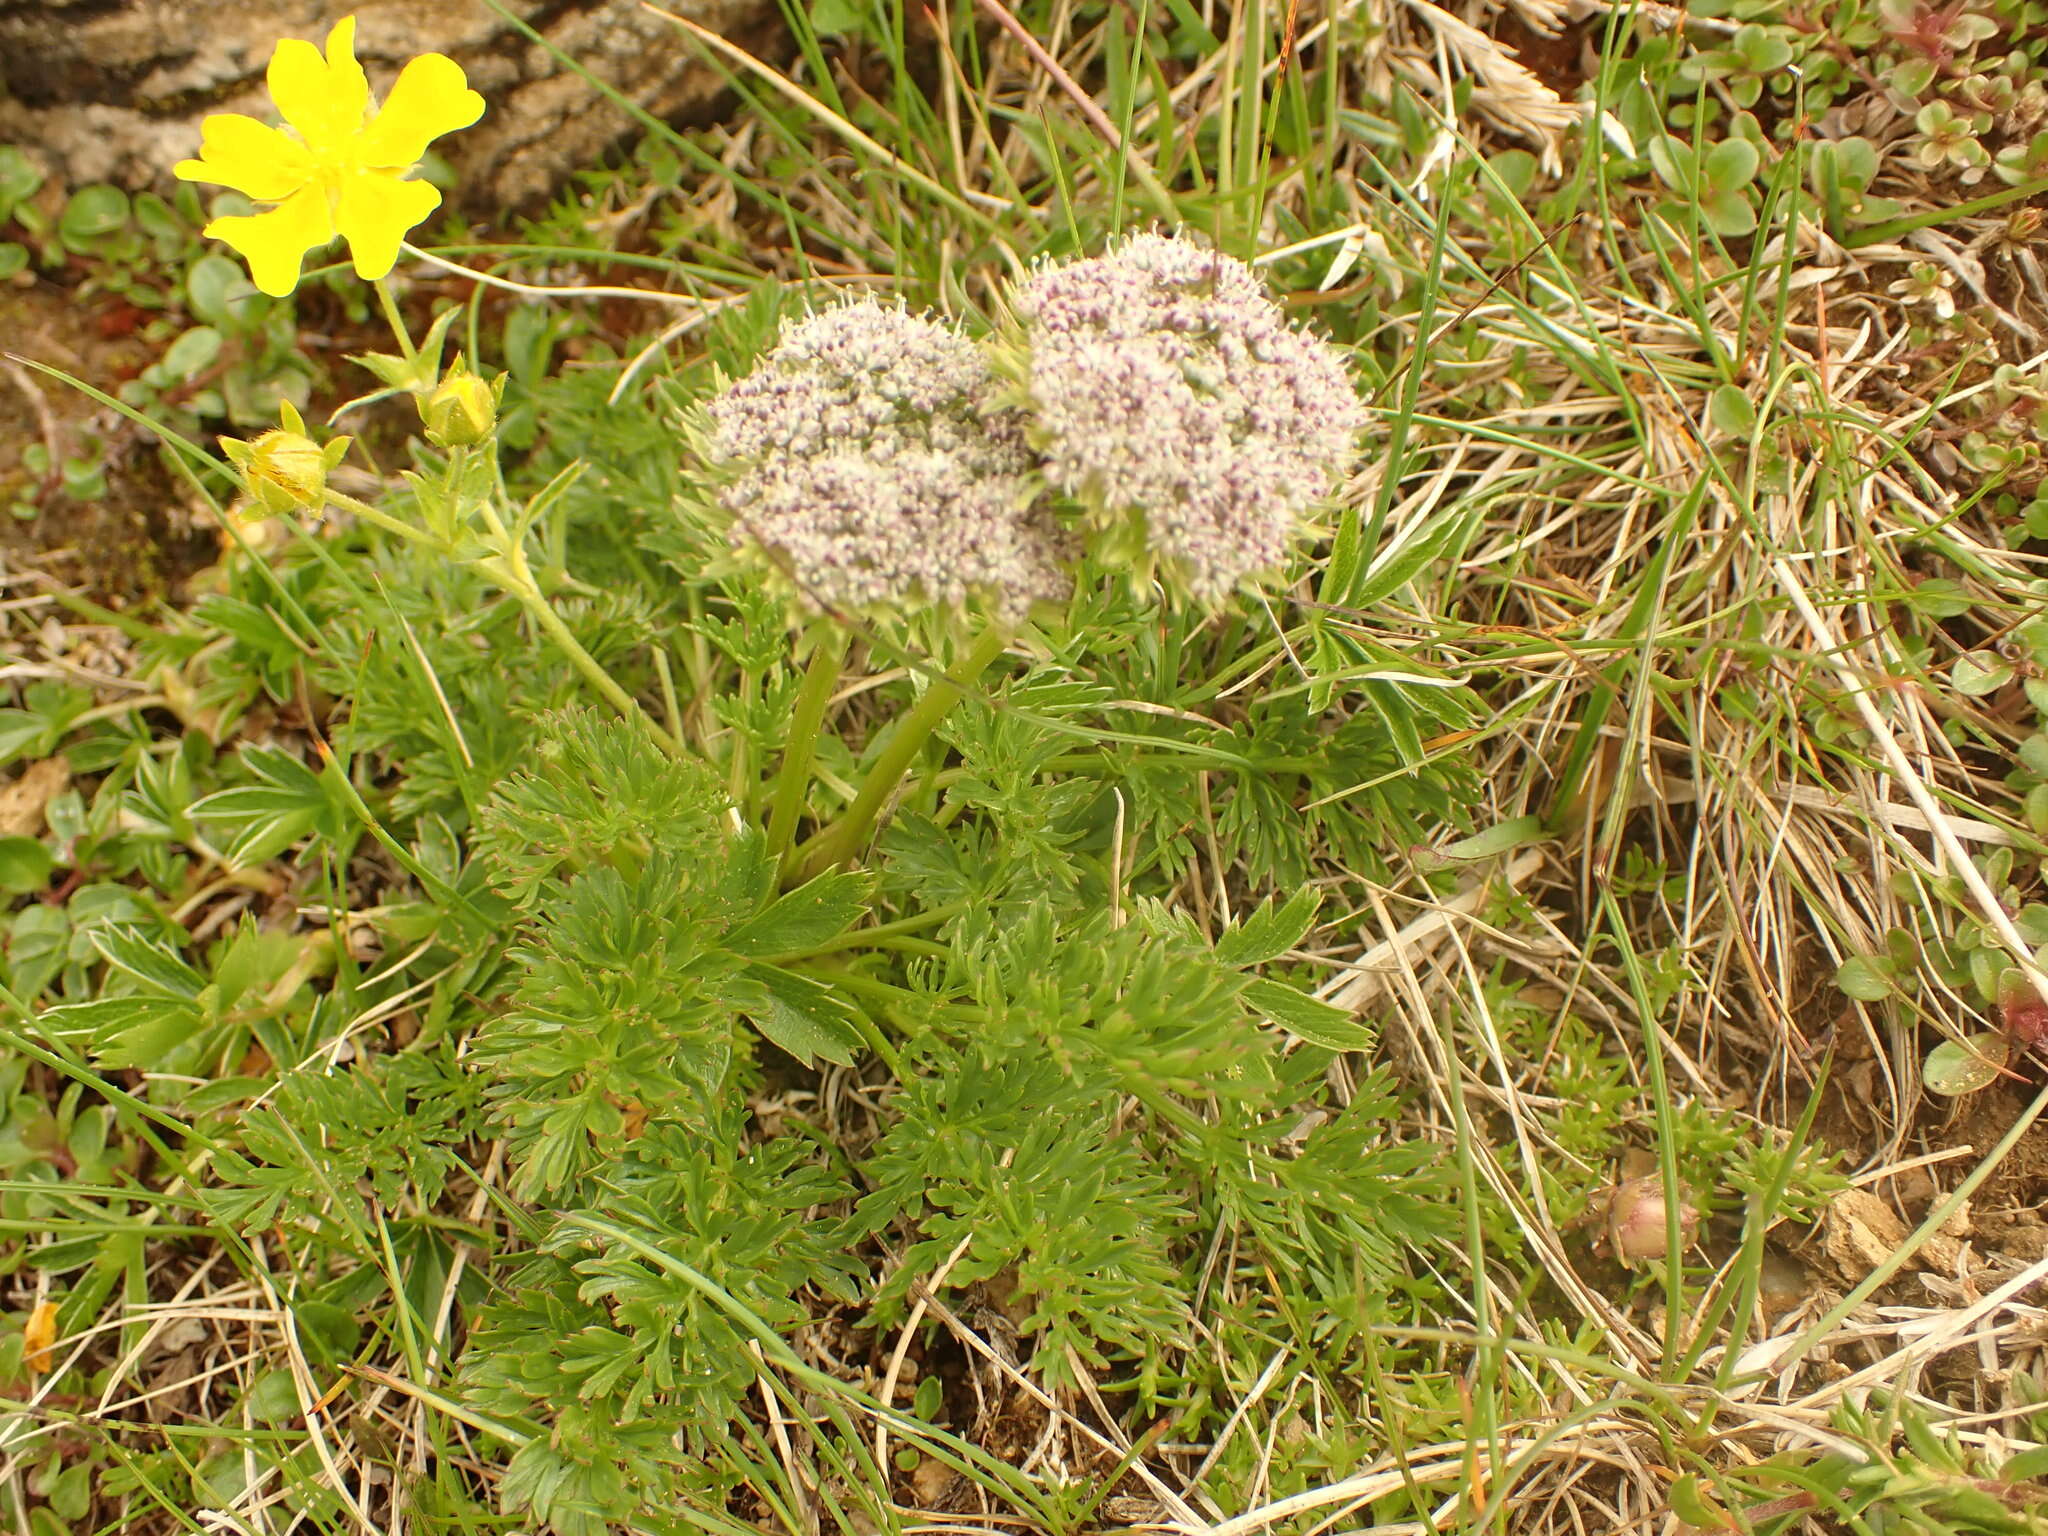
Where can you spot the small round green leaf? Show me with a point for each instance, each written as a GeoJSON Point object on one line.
{"type": "Point", "coordinates": [1938, 597]}
{"type": "Point", "coordinates": [192, 352]}
{"type": "Point", "coordinates": [157, 218]}
{"type": "Point", "coordinates": [1975, 675]}
{"type": "Point", "coordinates": [1730, 410]}
{"type": "Point", "coordinates": [215, 287]}
{"type": "Point", "coordinates": [25, 865]}
{"type": "Point", "coordinates": [1964, 1066]}
{"type": "Point", "coordinates": [330, 1332]}
{"type": "Point", "coordinates": [1730, 164]}
{"type": "Point", "coordinates": [19, 178]}
{"type": "Point", "coordinates": [1864, 979]}
{"type": "Point", "coordinates": [272, 1398]}
{"type": "Point", "coordinates": [92, 212]}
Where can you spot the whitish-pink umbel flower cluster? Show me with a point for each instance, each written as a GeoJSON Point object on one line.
{"type": "Point", "coordinates": [1169, 394]}
{"type": "Point", "coordinates": [870, 469]}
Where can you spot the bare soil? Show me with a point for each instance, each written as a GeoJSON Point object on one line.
{"type": "Point", "coordinates": [138, 542]}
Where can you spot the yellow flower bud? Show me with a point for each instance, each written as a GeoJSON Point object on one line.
{"type": "Point", "coordinates": [460, 410]}
{"type": "Point", "coordinates": [286, 470]}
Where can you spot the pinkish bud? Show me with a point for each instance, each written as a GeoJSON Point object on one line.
{"type": "Point", "coordinates": [1638, 1226]}
{"type": "Point", "coordinates": [2022, 1011]}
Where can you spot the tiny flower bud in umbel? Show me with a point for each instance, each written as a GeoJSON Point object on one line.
{"type": "Point", "coordinates": [462, 409]}
{"type": "Point", "coordinates": [1638, 1226]}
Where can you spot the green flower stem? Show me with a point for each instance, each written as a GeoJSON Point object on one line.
{"type": "Point", "coordinates": [389, 304]}
{"type": "Point", "coordinates": [844, 837]}
{"type": "Point", "coordinates": [544, 615]}
{"type": "Point", "coordinates": [387, 522]}
{"type": "Point", "coordinates": [793, 778]}
{"type": "Point", "coordinates": [507, 566]}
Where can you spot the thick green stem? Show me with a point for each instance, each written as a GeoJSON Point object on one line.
{"type": "Point", "coordinates": [793, 777]}
{"type": "Point", "coordinates": [844, 837]}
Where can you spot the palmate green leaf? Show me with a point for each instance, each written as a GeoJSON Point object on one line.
{"type": "Point", "coordinates": [156, 1011]}
{"type": "Point", "coordinates": [1028, 1166]}
{"type": "Point", "coordinates": [1138, 1007]}
{"type": "Point", "coordinates": [635, 1370]}
{"type": "Point", "coordinates": [588, 1475]}
{"type": "Point", "coordinates": [129, 1031]}
{"type": "Point", "coordinates": [383, 1128]}
{"type": "Point", "coordinates": [266, 640]}
{"type": "Point", "coordinates": [623, 1008]}
{"type": "Point", "coordinates": [1400, 562]}
{"type": "Point", "coordinates": [598, 792]}
{"type": "Point", "coordinates": [33, 732]}
{"type": "Point", "coordinates": [160, 971]}
{"type": "Point", "coordinates": [1271, 931]}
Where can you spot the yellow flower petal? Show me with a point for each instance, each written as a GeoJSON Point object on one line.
{"type": "Point", "coordinates": [375, 211]}
{"type": "Point", "coordinates": [252, 157]}
{"type": "Point", "coordinates": [432, 97]}
{"type": "Point", "coordinates": [324, 99]}
{"type": "Point", "coordinates": [275, 243]}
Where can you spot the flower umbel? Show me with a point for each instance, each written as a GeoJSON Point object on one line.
{"type": "Point", "coordinates": [337, 166]}
{"type": "Point", "coordinates": [868, 473]}
{"type": "Point", "coordinates": [1170, 395]}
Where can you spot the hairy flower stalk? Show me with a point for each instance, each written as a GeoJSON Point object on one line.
{"type": "Point", "coordinates": [864, 467]}
{"type": "Point", "coordinates": [1169, 394]}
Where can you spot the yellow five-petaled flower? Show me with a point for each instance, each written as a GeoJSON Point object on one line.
{"type": "Point", "coordinates": [336, 167]}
